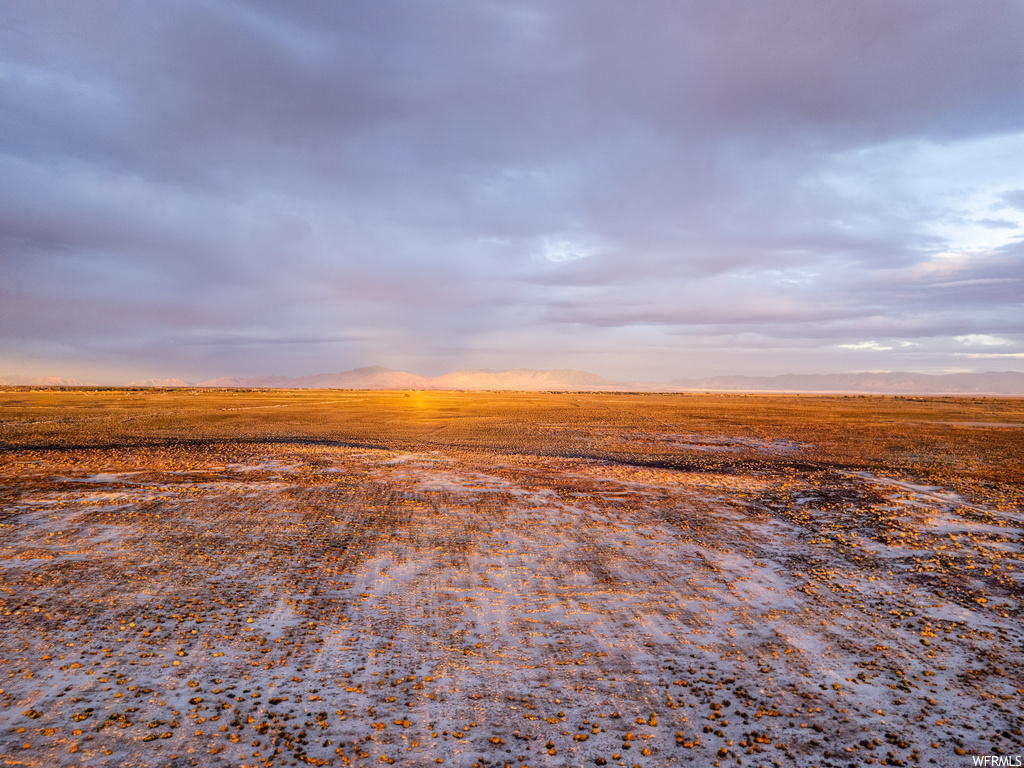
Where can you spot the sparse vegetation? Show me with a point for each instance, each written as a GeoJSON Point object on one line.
{"type": "Point", "coordinates": [482, 579]}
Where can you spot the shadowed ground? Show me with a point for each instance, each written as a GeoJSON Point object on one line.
{"type": "Point", "coordinates": [345, 578]}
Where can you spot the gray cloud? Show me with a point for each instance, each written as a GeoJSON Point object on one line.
{"type": "Point", "coordinates": [1013, 198]}
{"type": "Point", "coordinates": [998, 224]}
{"type": "Point", "coordinates": [208, 188]}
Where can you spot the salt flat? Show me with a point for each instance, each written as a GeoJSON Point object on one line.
{"type": "Point", "coordinates": [482, 579]}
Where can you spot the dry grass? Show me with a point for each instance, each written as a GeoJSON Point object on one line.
{"type": "Point", "coordinates": [345, 578]}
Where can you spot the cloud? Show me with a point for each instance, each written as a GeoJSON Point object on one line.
{"type": "Point", "coordinates": [322, 185]}
{"type": "Point", "coordinates": [982, 339]}
{"type": "Point", "coordinates": [998, 223]}
{"type": "Point", "coordinates": [1013, 198]}
{"type": "Point", "coordinates": [991, 355]}
{"type": "Point", "coordinates": [872, 345]}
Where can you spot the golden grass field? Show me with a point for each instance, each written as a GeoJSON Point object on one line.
{"type": "Point", "coordinates": [243, 578]}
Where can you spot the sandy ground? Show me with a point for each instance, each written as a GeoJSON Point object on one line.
{"type": "Point", "coordinates": [242, 605]}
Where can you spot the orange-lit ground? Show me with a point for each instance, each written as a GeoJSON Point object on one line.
{"type": "Point", "coordinates": [345, 578]}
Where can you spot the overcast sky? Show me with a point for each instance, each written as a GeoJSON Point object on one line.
{"type": "Point", "coordinates": [645, 190]}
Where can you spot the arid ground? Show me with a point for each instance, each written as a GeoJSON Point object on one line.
{"type": "Point", "coordinates": [231, 578]}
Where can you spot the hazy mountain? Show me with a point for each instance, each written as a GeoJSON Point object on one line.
{"type": "Point", "coordinates": [992, 382]}
{"type": "Point", "coordinates": [529, 379]}
{"type": "Point", "coordinates": [522, 378]}
{"type": "Point", "coordinates": [159, 383]}
{"type": "Point", "coordinates": [260, 382]}
{"type": "Point", "coordinates": [373, 377]}
{"type": "Point", "coordinates": [376, 377]}
{"type": "Point", "coordinates": [41, 381]}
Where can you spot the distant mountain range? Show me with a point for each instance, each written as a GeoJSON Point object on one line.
{"type": "Point", "coordinates": [528, 379]}
{"type": "Point", "coordinates": [376, 377]}
{"type": "Point", "coordinates": [40, 381]}
{"type": "Point", "coordinates": [992, 382]}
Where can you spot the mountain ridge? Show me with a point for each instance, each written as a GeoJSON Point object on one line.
{"type": "Point", "coordinates": [568, 379]}
{"type": "Point", "coordinates": [887, 382]}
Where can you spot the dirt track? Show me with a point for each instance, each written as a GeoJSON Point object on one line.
{"type": "Point", "coordinates": [657, 582]}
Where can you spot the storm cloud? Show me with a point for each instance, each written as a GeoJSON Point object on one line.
{"type": "Point", "coordinates": [643, 190]}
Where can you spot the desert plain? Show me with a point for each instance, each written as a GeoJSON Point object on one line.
{"type": "Point", "coordinates": [359, 578]}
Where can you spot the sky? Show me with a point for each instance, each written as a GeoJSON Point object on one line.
{"type": "Point", "coordinates": [646, 190]}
